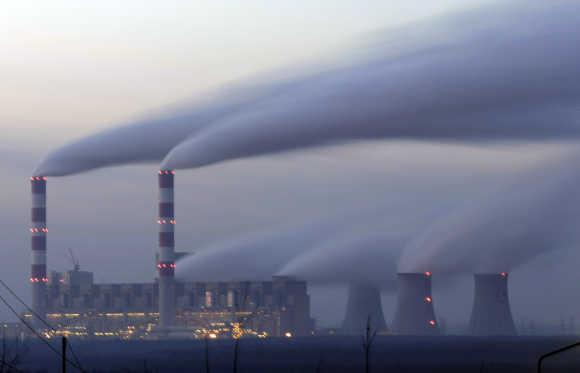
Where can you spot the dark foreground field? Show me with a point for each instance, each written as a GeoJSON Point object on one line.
{"type": "Point", "coordinates": [316, 354]}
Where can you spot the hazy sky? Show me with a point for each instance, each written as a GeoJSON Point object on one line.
{"type": "Point", "coordinates": [69, 68]}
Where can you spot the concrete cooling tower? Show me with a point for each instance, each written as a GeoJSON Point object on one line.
{"type": "Point", "coordinates": [415, 314]}
{"type": "Point", "coordinates": [491, 314]}
{"type": "Point", "coordinates": [364, 301]}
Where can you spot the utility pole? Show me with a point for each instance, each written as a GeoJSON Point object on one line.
{"type": "Point", "coordinates": [63, 353]}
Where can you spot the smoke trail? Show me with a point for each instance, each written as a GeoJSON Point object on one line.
{"type": "Point", "coordinates": [357, 257]}
{"type": "Point", "coordinates": [150, 140]}
{"type": "Point", "coordinates": [259, 256]}
{"type": "Point", "coordinates": [515, 78]}
{"type": "Point", "coordinates": [254, 256]}
{"type": "Point", "coordinates": [537, 213]}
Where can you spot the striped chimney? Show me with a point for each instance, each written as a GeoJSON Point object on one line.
{"type": "Point", "coordinates": [38, 229]}
{"type": "Point", "coordinates": [166, 261]}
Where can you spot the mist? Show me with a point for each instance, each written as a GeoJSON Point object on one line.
{"type": "Point", "coordinates": [489, 84]}
{"type": "Point", "coordinates": [536, 212]}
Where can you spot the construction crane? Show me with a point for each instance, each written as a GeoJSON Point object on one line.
{"type": "Point", "coordinates": [75, 261]}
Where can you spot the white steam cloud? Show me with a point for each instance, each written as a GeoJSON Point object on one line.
{"type": "Point", "coordinates": [539, 212]}
{"type": "Point", "coordinates": [359, 257]}
{"type": "Point", "coordinates": [513, 77]}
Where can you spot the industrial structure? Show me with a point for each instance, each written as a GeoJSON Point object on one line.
{"type": "Point", "coordinates": [39, 230]}
{"type": "Point", "coordinates": [415, 314]}
{"type": "Point", "coordinates": [363, 306]}
{"type": "Point", "coordinates": [166, 259]}
{"type": "Point", "coordinates": [491, 313]}
{"type": "Point", "coordinates": [77, 306]}
{"type": "Point", "coordinates": [280, 307]}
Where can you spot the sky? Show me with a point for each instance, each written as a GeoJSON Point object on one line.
{"type": "Point", "coordinates": [70, 68]}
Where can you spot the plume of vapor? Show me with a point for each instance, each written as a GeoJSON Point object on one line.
{"type": "Point", "coordinates": [255, 256]}
{"type": "Point", "coordinates": [259, 256]}
{"type": "Point", "coordinates": [513, 77]}
{"type": "Point", "coordinates": [357, 257]}
{"type": "Point", "coordinates": [150, 139]}
{"type": "Point", "coordinates": [538, 212]}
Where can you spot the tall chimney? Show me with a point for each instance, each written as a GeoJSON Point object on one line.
{"type": "Point", "coordinates": [166, 261]}
{"type": "Point", "coordinates": [364, 302]}
{"type": "Point", "coordinates": [38, 229]}
{"type": "Point", "coordinates": [415, 314]}
{"type": "Point", "coordinates": [491, 313]}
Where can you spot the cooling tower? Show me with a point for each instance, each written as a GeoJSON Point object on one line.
{"type": "Point", "coordinates": [166, 261]}
{"type": "Point", "coordinates": [491, 313]}
{"type": "Point", "coordinates": [415, 314]}
{"type": "Point", "coordinates": [38, 277]}
{"type": "Point", "coordinates": [364, 301]}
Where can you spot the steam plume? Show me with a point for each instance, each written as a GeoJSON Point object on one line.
{"type": "Point", "coordinates": [511, 79]}
{"type": "Point", "coordinates": [537, 213]}
{"type": "Point", "coordinates": [359, 257]}
{"type": "Point", "coordinates": [149, 140]}
{"type": "Point", "coordinates": [254, 256]}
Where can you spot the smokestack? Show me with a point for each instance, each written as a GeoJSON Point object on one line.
{"type": "Point", "coordinates": [166, 261]}
{"type": "Point", "coordinates": [38, 229]}
{"type": "Point", "coordinates": [415, 314]}
{"type": "Point", "coordinates": [491, 313]}
{"type": "Point", "coordinates": [364, 301]}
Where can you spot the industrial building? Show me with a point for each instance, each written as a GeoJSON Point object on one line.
{"type": "Point", "coordinates": [76, 306]}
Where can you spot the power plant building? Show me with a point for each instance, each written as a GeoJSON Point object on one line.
{"type": "Point", "coordinates": [77, 306]}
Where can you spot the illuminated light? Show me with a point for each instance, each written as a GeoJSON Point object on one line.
{"type": "Point", "coordinates": [428, 299]}
{"type": "Point", "coordinates": [172, 172]}
{"type": "Point", "coordinates": [160, 172]}
{"type": "Point", "coordinates": [212, 335]}
{"type": "Point", "coordinates": [428, 274]}
{"type": "Point", "coordinates": [503, 274]}
{"type": "Point", "coordinates": [44, 178]}
{"type": "Point", "coordinates": [288, 335]}
{"type": "Point", "coordinates": [31, 177]}
{"type": "Point", "coordinates": [432, 322]}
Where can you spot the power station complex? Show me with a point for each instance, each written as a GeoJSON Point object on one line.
{"type": "Point", "coordinates": [76, 306]}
